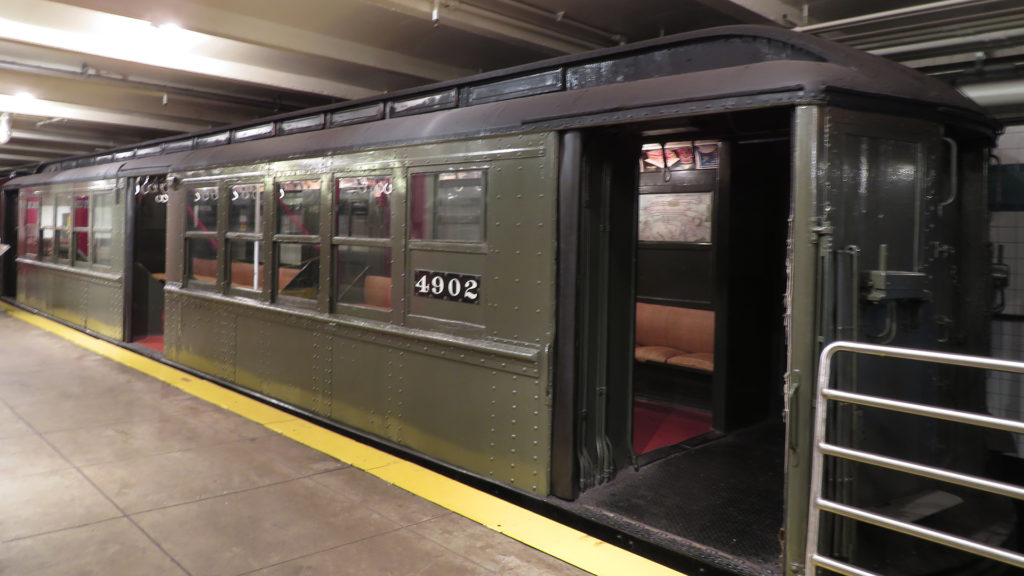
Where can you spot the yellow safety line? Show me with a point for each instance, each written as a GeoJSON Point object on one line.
{"type": "Point", "coordinates": [567, 544]}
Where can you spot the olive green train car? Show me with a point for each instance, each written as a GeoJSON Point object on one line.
{"type": "Point", "coordinates": [518, 275]}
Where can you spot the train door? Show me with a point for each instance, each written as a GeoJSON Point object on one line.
{"type": "Point", "coordinates": [148, 236]}
{"type": "Point", "coordinates": [8, 241]}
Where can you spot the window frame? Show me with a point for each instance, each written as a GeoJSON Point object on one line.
{"type": "Point", "coordinates": [93, 228]}
{"type": "Point", "coordinates": [23, 235]}
{"type": "Point", "coordinates": [447, 245]}
{"type": "Point", "coordinates": [278, 240]}
{"type": "Point", "coordinates": [66, 229]}
{"type": "Point", "coordinates": [257, 237]}
{"type": "Point", "coordinates": [187, 276]}
{"type": "Point", "coordinates": [428, 315]}
{"type": "Point", "coordinates": [391, 241]}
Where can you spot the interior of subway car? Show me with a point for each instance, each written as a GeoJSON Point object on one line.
{"type": "Point", "coordinates": [682, 278]}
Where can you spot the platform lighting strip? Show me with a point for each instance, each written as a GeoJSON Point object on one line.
{"type": "Point", "coordinates": [565, 543]}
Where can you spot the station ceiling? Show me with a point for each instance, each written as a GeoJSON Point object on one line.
{"type": "Point", "coordinates": [81, 76]}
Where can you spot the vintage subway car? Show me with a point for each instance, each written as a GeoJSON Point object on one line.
{"type": "Point", "coordinates": [600, 282]}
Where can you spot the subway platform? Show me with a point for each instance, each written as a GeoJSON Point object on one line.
{"type": "Point", "coordinates": [114, 464]}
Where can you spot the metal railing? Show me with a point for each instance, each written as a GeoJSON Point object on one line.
{"type": "Point", "coordinates": [822, 449]}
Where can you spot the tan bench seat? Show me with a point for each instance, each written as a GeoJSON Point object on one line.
{"type": "Point", "coordinates": [676, 336]}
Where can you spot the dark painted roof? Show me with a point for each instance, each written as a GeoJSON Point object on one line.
{"type": "Point", "coordinates": [720, 69]}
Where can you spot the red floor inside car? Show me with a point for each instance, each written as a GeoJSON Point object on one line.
{"type": "Point", "coordinates": [155, 342]}
{"type": "Point", "coordinates": [658, 425]}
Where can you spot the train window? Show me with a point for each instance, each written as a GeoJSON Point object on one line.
{"type": "Point", "coordinates": [298, 270]}
{"type": "Point", "coordinates": [298, 207]}
{"type": "Point", "coordinates": [362, 243]}
{"type": "Point", "coordinates": [47, 249]}
{"type": "Point", "coordinates": [363, 207]}
{"type": "Point", "coordinates": [246, 261]}
{"type": "Point", "coordinates": [246, 256]}
{"type": "Point", "coordinates": [28, 232]}
{"type": "Point", "coordinates": [246, 212]}
{"type": "Point", "coordinates": [80, 229]}
{"type": "Point", "coordinates": [297, 240]}
{"type": "Point", "coordinates": [201, 242]}
{"type": "Point", "coordinates": [102, 229]}
{"type": "Point", "coordinates": [448, 206]}
{"type": "Point", "coordinates": [202, 209]}
{"type": "Point", "coordinates": [364, 275]}
{"type": "Point", "coordinates": [63, 229]}
{"type": "Point", "coordinates": [201, 259]}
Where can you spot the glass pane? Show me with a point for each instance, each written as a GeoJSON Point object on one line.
{"type": "Point", "coordinates": [28, 233]}
{"type": "Point", "coordinates": [448, 206]}
{"type": "Point", "coordinates": [364, 276]}
{"type": "Point", "coordinates": [201, 262]}
{"type": "Point", "coordinates": [80, 219]}
{"type": "Point", "coordinates": [363, 207]}
{"type": "Point", "coordinates": [81, 215]}
{"type": "Point", "coordinates": [298, 273]}
{"type": "Point", "coordinates": [63, 211]}
{"type": "Point", "coordinates": [246, 209]}
{"type": "Point", "coordinates": [103, 210]}
{"type": "Point", "coordinates": [298, 207]}
{"type": "Point", "coordinates": [47, 247]}
{"type": "Point", "coordinates": [102, 250]}
{"type": "Point", "coordinates": [202, 209]}
{"type": "Point", "coordinates": [63, 227]}
{"type": "Point", "coordinates": [247, 260]}
{"type": "Point", "coordinates": [63, 244]}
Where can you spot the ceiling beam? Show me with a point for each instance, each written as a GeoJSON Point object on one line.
{"type": "Point", "coordinates": [79, 30]}
{"type": "Point", "coordinates": [20, 158]}
{"type": "Point", "coordinates": [17, 147]}
{"type": "Point", "coordinates": [777, 11]}
{"type": "Point", "coordinates": [253, 30]}
{"type": "Point", "coordinates": [49, 109]}
{"type": "Point", "coordinates": [61, 138]}
{"type": "Point", "coordinates": [492, 24]}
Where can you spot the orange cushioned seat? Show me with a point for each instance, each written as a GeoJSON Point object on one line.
{"type": "Point", "coordinates": [677, 336]}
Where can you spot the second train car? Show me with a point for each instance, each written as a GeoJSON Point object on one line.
{"type": "Point", "coordinates": [601, 282]}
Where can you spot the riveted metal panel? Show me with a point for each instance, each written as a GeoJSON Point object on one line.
{"type": "Point", "coordinates": [173, 322]}
{"type": "Point", "coordinates": [104, 309]}
{"type": "Point", "coordinates": [79, 297]}
{"type": "Point", "coordinates": [207, 337]}
{"type": "Point", "coordinates": [521, 258]}
{"type": "Point", "coordinates": [489, 422]}
{"type": "Point", "coordinates": [362, 384]}
{"type": "Point", "coordinates": [280, 357]}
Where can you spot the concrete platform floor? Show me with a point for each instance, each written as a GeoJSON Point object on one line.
{"type": "Point", "coordinates": [107, 471]}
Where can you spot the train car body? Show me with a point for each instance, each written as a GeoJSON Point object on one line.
{"type": "Point", "coordinates": [496, 273]}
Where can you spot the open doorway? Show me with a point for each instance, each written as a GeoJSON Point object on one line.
{"type": "Point", "coordinates": [674, 328]}
{"type": "Point", "coordinates": [149, 239]}
{"type": "Point", "coordinates": [683, 318]}
{"type": "Point", "coordinates": [710, 278]}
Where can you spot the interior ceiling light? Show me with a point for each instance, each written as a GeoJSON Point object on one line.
{"type": "Point", "coordinates": [5, 128]}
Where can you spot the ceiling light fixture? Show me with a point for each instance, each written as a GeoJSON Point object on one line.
{"type": "Point", "coordinates": [5, 128]}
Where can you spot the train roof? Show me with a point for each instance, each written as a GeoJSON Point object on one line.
{"type": "Point", "coordinates": [714, 70]}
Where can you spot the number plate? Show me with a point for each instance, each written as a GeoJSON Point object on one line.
{"type": "Point", "coordinates": [447, 286]}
